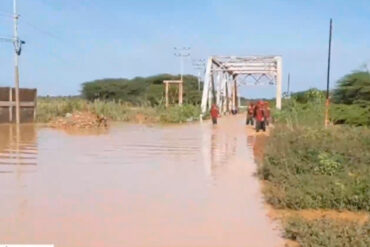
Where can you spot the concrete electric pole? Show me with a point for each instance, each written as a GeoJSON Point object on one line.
{"type": "Point", "coordinates": [17, 52]}
{"type": "Point", "coordinates": [17, 47]}
{"type": "Point", "coordinates": [200, 65]}
{"type": "Point", "coordinates": [182, 53]}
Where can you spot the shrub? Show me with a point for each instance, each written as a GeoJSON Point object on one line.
{"type": "Point", "coordinates": [353, 88]}
{"type": "Point", "coordinates": [179, 114]}
{"type": "Point", "coordinates": [357, 114]}
{"type": "Point", "coordinates": [318, 168]}
{"type": "Point", "coordinates": [327, 232]}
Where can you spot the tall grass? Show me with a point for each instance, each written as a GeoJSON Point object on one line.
{"type": "Point", "coordinates": [327, 232]}
{"type": "Point", "coordinates": [50, 108]}
{"type": "Point", "coordinates": [309, 166]}
{"type": "Point", "coordinates": [295, 114]}
{"type": "Point", "coordinates": [180, 114]}
{"type": "Point", "coordinates": [318, 168]}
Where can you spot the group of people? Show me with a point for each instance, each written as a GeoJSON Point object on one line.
{"type": "Point", "coordinates": [258, 114]}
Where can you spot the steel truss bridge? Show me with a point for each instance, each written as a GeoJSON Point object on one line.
{"type": "Point", "coordinates": [225, 74]}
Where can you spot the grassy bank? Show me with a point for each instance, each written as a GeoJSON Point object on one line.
{"type": "Point", "coordinates": [318, 168]}
{"type": "Point", "coordinates": [327, 232]}
{"type": "Point", "coordinates": [50, 108]}
{"type": "Point", "coordinates": [306, 166]}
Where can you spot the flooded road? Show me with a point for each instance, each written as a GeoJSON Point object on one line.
{"type": "Point", "coordinates": [133, 185]}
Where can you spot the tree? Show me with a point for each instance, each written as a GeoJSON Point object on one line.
{"type": "Point", "coordinates": [353, 89]}
{"type": "Point", "coordinates": [140, 90]}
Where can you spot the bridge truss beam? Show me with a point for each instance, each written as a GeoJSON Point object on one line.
{"type": "Point", "coordinates": [225, 74]}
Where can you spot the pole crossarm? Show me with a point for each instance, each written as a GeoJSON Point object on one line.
{"type": "Point", "coordinates": [224, 74]}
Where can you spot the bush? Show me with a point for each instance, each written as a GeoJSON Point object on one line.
{"type": "Point", "coordinates": [49, 108]}
{"type": "Point", "coordinates": [318, 168]}
{"type": "Point", "coordinates": [353, 88]}
{"type": "Point", "coordinates": [327, 232]}
{"type": "Point", "coordinates": [179, 114]}
{"type": "Point", "coordinates": [357, 114]}
{"type": "Point", "coordinates": [294, 114]}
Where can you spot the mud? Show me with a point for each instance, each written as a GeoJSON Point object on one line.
{"type": "Point", "coordinates": [133, 185]}
{"type": "Point", "coordinates": [79, 120]}
{"type": "Point", "coordinates": [313, 214]}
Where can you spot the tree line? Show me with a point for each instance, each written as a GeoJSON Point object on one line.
{"type": "Point", "coordinates": [141, 90]}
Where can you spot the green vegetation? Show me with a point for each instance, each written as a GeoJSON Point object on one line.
{"type": "Point", "coordinates": [50, 108]}
{"type": "Point", "coordinates": [352, 100]}
{"type": "Point", "coordinates": [326, 232]}
{"type": "Point", "coordinates": [353, 89]}
{"type": "Point", "coordinates": [307, 166]}
{"type": "Point", "coordinates": [140, 99]}
{"type": "Point", "coordinates": [355, 114]}
{"type": "Point", "coordinates": [318, 168]}
{"type": "Point", "coordinates": [141, 91]}
{"type": "Point", "coordinates": [179, 114]}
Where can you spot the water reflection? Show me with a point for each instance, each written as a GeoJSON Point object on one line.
{"type": "Point", "coordinates": [133, 186]}
{"type": "Point", "coordinates": [18, 148]}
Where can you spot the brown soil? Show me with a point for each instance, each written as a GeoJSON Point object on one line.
{"type": "Point", "coordinates": [79, 120]}
{"type": "Point", "coordinates": [312, 214]}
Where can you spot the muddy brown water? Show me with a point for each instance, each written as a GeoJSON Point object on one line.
{"type": "Point", "coordinates": [133, 185]}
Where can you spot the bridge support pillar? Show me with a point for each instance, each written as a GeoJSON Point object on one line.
{"type": "Point", "coordinates": [278, 82]}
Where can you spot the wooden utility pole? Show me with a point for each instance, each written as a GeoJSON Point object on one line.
{"type": "Point", "coordinates": [327, 103]}
{"type": "Point", "coordinates": [180, 87]}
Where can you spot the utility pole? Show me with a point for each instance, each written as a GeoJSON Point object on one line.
{"type": "Point", "coordinates": [182, 53]}
{"type": "Point", "coordinates": [327, 103]}
{"type": "Point", "coordinates": [17, 47]}
{"type": "Point", "coordinates": [199, 64]}
{"type": "Point", "coordinates": [17, 52]}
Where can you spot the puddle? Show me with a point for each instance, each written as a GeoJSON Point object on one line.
{"type": "Point", "coordinates": [133, 185]}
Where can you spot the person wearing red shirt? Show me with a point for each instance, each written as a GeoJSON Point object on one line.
{"type": "Point", "coordinates": [214, 113]}
{"type": "Point", "coordinates": [260, 116]}
{"type": "Point", "coordinates": [250, 111]}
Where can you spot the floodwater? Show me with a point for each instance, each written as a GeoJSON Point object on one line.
{"type": "Point", "coordinates": [133, 185]}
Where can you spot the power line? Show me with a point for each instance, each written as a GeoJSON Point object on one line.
{"type": "Point", "coordinates": [182, 53]}
{"type": "Point", "coordinates": [42, 31]}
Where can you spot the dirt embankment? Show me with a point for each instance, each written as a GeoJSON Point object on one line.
{"type": "Point", "coordinates": [79, 120]}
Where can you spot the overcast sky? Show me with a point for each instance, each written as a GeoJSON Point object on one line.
{"type": "Point", "coordinates": [73, 41]}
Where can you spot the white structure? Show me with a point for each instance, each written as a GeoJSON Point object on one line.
{"type": "Point", "coordinates": [224, 75]}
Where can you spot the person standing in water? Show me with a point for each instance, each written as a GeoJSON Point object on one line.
{"type": "Point", "coordinates": [214, 113]}
{"type": "Point", "coordinates": [260, 116]}
{"type": "Point", "coordinates": [250, 112]}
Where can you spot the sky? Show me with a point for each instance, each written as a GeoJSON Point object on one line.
{"type": "Point", "coordinates": [70, 42]}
